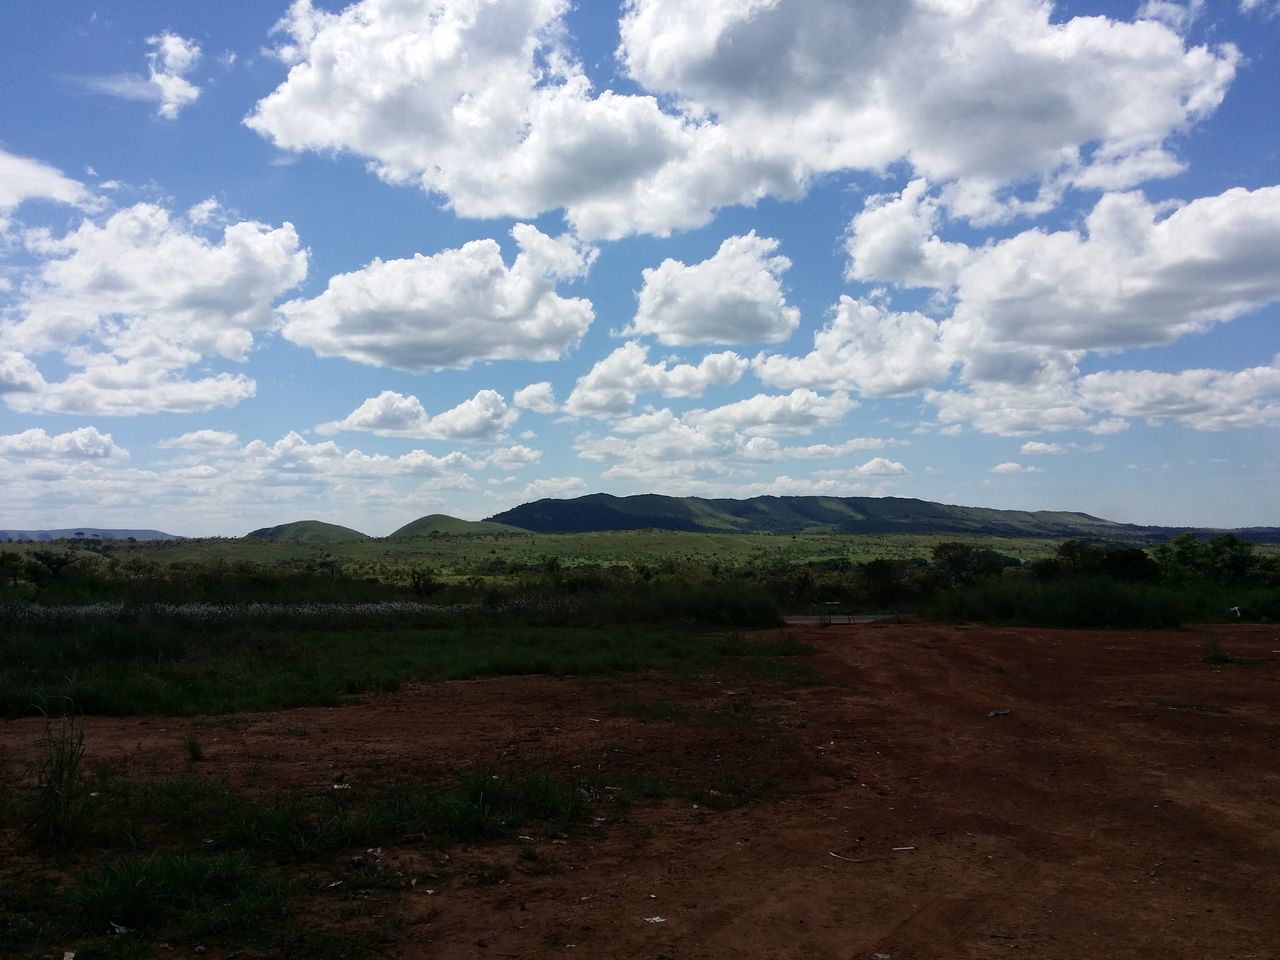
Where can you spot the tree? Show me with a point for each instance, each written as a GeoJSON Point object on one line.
{"type": "Point", "coordinates": [962, 563]}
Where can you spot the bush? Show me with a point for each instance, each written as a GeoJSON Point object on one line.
{"type": "Point", "coordinates": [1072, 602]}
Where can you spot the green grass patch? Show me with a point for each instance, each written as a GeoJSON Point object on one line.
{"type": "Point", "coordinates": [172, 667]}
{"type": "Point", "coordinates": [198, 895]}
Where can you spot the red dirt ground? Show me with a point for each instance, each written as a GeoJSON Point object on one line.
{"type": "Point", "coordinates": [1128, 806]}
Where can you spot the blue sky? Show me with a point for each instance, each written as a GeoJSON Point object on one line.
{"type": "Point", "coordinates": [263, 261]}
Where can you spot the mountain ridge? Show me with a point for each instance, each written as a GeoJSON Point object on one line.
{"type": "Point", "coordinates": [87, 533]}
{"type": "Point", "coordinates": [780, 514]}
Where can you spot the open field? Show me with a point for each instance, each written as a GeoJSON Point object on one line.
{"type": "Point", "coordinates": [464, 553]}
{"type": "Point", "coordinates": [852, 800]}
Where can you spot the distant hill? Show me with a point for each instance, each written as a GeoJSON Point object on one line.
{"type": "Point", "coordinates": [308, 531]}
{"type": "Point", "coordinates": [443, 523]}
{"type": "Point", "coordinates": [819, 514]}
{"type": "Point", "coordinates": [86, 533]}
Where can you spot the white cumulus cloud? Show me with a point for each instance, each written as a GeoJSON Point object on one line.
{"type": "Point", "coordinates": [894, 239]}
{"type": "Point", "coordinates": [1137, 275]}
{"type": "Point", "coordinates": [609, 388]}
{"type": "Point", "coordinates": [484, 417]}
{"type": "Point", "coordinates": [735, 296]}
{"type": "Point", "coordinates": [134, 301]}
{"type": "Point", "coordinates": [485, 105]}
{"type": "Point", "coordinates": [865, 347]}
{"type": "Point", "coordinates": [86, 443]}
{"type": "Point", "coordinates": [450, 309]}
{"type": "Point", "coordinates": [800, 411]}
{"type": "Point", "coordinates": [538, 397]}
{"type": "Point", "coordinates": [1201, 399]}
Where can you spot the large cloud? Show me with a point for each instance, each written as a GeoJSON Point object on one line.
{"type": "Point", "coordinates": [392, 414]}
{"type": "Point", "coordinates": [134, 301]}
{"type": "Point", "coordinates": [451, 309]}
{"type": "Point", "coordinates": [478, 102]}
{"type": "Point", "coordinates": [866, 347]}
{"type": "Point", "coordinates": [483, 104]}
{"type": "Point", "coordinates": [733, 297]}
{"type": "Point", "coordinates": [988, 93]}
{"type": "Point", "coordinates": [609, 389]}
{"type": "Point", "coordinates": [1201, 399]}
{"type": "Point", "coordinates": [1028, 309]}
{"type": "Point", "coordinates": [1102, 402]}
{"type": "Point", "coordinates": [1136, 276]}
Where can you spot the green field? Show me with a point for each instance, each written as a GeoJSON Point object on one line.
{"type": "Point", "coordinates": [463, 554]}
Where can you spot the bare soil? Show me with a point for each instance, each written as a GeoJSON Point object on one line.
{"type": "Point", "coordinates": [1126, 806]}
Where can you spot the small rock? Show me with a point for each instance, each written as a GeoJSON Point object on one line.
{"type": "Point", "coordinates": [997, 713]}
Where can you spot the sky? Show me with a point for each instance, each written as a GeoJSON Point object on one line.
{"type": "Point", "coordinates": [263, 262]}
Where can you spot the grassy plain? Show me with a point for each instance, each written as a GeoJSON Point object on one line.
{"type": "Point", "coordinates": [463, 553]}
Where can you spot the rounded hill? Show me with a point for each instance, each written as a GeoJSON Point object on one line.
{"type": "Point", "coordinates": [443, 523]}
{"type": "Point", "coordinates": [308, 531]}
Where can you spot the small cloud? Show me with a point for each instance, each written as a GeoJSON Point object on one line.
{"type": "Point", "coordinates": [880, 467]}
{"type": "Point", "coordinates": [200, 440]}
{"type": "Point", "coordinates": [170, 58]}
{"type": "Point", "coordinates": [538, 397]}
{"type": "Point", "coordinates": [1014, 468]}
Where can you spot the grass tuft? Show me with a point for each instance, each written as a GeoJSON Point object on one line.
{"type": "Point", "coordinates": [57, 813]}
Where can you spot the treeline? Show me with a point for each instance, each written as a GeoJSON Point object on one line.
{"type": "Point", "coordinates": [1081, 584]}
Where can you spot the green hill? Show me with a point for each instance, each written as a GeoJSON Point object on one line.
{"type": "Point", "coordinates": [308, 531]}
{"type": "Point", "coordinates": [808, 515]}
{"type": "Point", "coordinates": [443, 523]}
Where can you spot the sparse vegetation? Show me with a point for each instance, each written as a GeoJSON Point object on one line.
{"type": "Point", "coordinates": [221, 627]}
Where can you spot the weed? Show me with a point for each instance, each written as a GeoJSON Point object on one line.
{"type": "Point", "coordinates": [486, 874]}
{"type": "Point", "coordinates": [56, 816]}
{"type": "Point", "coordinates": [195, 750]}
{"type": "Point", "coordinates": [222, 894]}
